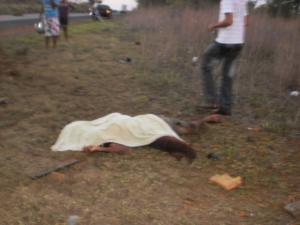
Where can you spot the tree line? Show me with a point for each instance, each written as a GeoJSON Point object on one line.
{"type": "Point", "coordinates": [195, 3]}
{"type": "Point", "coordinates": [275, 7]}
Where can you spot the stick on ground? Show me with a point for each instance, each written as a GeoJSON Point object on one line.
{"type": "Point", "coordinates": [62, 165]}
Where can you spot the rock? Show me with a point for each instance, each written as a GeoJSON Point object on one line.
{"type": "Point", "coordinates": [212, 156]}
{"type": "Point", "coordinates": [127, 60]}
{"type": "Point", "coordinates": [4, 101]}
{"type": "Point", "coordinates": [293, 209]}
{"type": "Point", "coordinates": [294, 93]}
{"type": "Point", "coordinates": [195, 59]}
{"type": "Point", "coordinates": [73, 220]}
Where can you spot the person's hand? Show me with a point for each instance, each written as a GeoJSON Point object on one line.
{"type": "Point", "coordinates": [212, 28]}
{"type": "Point", "coordinates": [91, 148]}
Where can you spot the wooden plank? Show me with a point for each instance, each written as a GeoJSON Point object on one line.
{"type": "Point", "coordinates": [61, 165]}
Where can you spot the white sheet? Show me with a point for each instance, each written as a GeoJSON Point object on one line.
{"type": "Point", "coordinates": [117, 128]}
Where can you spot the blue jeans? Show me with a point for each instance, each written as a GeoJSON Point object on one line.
{"type": "Point", "coordinates": [227, 53]}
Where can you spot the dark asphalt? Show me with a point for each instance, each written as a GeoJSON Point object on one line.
{"type": "Point", "coordinates": [8, 22]}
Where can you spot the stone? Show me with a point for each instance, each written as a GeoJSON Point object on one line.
{"type": "Point", "coordinates": [293, 208]}
{"type": "Point", "coordinates": [73, 220]}
{"type": "Point", "coordinates": [4, 101]}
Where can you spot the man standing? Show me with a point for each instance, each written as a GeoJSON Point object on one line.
{"type": "Point", "coordinates": [233, 19]}
{"type": "Point", "coordinates": [51, 22]}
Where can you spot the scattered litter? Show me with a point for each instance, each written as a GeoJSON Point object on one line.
{"type": "Point", "coordinates": [195, 59]}
{"type": "Point", "coordinates": [256, 128]}
{"type": "Point", "coordinates": [4, 101]}
{"type": "Point", "coordinates": [137, 43]}
{"type": "Point", "coordinates": [293, 209]}
{"type": "Point", "coordinates": [79, 91]}
{"type": "Point", "coordinates": [126, 60]}
{"type": "Point", "coordinates": [294, 93]}
{"type": "Point", "coordinates": [73, 219]}
{"type": "Point", "coordinates": [226, 181]}
{"type": "Point", "coordinates": [59, 166]}
{"type": "Point", "coordinates": [212, 156]}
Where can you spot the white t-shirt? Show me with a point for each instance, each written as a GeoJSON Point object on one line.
{"type": "Point", "coordinates": [234, 34]}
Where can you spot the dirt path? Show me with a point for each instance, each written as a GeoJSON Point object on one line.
{"type": "Point", "coordinates": [84, 79]}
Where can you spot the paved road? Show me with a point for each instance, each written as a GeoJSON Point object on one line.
{"type": "Point", "coordinates": [8, 22]}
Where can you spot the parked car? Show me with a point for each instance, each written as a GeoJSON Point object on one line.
{"type": "Point", "coordinates": [100, 9]}
{"type": "Point", "coordinates": [104, 10]}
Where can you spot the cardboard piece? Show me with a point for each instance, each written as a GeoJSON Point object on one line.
{"type": "Point", "coordinates": [226, 181]}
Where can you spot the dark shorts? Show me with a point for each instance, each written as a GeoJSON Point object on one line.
{"type": "Point", "coordinates": [63, 21]}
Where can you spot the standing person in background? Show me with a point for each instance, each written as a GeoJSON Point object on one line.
{"type": "Point", "coordinates": [63, 10]}
{"type": "Point", "coordinates": [52, 27]}
{"type": "Point", "coordinates": [233, 18]}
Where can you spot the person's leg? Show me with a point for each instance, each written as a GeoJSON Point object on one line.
{"type": "Point", "coordinates": [212, 54]}
{"type": "Point", "coordinates": [174, 146]}
{"type": "Point", "coordinates": [47, 31]}
{"type": "Point", "coordinates": [55, 31]}
{"type": "Point", "coordinates": [66, 35]}
{"type": "Point", "coordinates": [64, 26]}
{"type": "Point", "coordinates": [47, 40]}
{"type": "Point", "coordinates": [228, 74]}
{"type": "Point", "coordinates": [54, 41]}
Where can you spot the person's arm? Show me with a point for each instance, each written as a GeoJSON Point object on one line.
{"type": "Point", "coordinates": [111, 148]}
{"type": "Point", "coordinates": [228, 20]}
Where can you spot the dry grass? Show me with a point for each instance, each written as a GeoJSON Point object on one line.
{"type": "Point", "coordinates": [84, 79]}
{"type": "Point", "coordinates": [268, 71]}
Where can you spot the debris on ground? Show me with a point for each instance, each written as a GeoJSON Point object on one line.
{"type": "Point", "coordinates": [73, 220]}
{"type": "Point", "coordinates": [126, 60]}
{"type": "Point", "coordinates": [293, 209]}
{"type": "Point", "coordinates": [294, 93]}
{"type": "Point", "coordinates": [59, 166]}
{"type": "Point", "coordinates": [4, 101]}
{"type": "Point", "coordinates": [226, 181]}
{"type": "Point", "coordinates": [137, 43]}
{"type": "Point", "coordinates": [255, 128]}
{"type": "Point", "coordinates": [195, 59]}
{"type": "Point", "coordinates": [212, 156]}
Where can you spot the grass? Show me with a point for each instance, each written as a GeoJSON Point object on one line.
{"type": "Point", "coordinates": [267, 70]}
{"type": "Point", "coordinates": [84, 79]}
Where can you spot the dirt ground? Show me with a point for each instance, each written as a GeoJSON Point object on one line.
{"type": "Point", "coordinates": [84, 79]}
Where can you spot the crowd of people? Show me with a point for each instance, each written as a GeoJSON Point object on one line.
{"type": "Point", "coordinates": [55, 18]}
